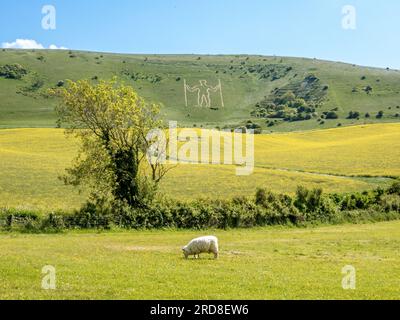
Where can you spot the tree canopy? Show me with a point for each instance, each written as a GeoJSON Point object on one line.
{"type": "Point", "coordinates": [113, 123]}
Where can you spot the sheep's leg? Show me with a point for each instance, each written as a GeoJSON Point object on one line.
{"type": "Point", "coordinates": [216, 255]}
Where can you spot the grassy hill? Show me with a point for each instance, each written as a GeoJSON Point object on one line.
{"type": "Point", "coordinates": [246, 81]}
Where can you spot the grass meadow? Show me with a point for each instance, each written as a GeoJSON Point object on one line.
{"type": "Point", "coordinates": [337, 160]}
{"type": "Point", "coordinates": [261, 263]}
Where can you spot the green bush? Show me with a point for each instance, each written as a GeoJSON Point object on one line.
{"type": "Point", "coordinates": [315, 205]}
{"type": "Point", "coordinates": [19, 219]}
{"type": "Point", "coordinates": [390, 203]}
{"type": "Point", "coordinates": [353, 115]}
{"type": "Point", "coordinates": [332, 115]}
{"type": "Point", "coordinates": [394, 188]}
{"type": "Point", "coordinates": [94, 214]}
{"type": "Point", "coordinates": [380, 115]}
{"type": "Point", "coordinates": [13, 71]}
{"type": "Point", "coordinates": [357, 201]}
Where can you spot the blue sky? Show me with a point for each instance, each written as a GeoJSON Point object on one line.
{"type": "Point", "coordinates": [303, 28]}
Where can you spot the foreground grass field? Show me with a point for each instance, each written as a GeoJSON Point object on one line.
{"type": "Point", "coordinates": [267, 263]}
{"type": "Point", "coordinates": [338, 160]}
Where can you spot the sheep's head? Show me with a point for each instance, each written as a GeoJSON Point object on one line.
{"type": "Point", "coordinates": [185, 251]}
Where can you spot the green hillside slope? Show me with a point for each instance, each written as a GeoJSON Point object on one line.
{"type": "Point", "coordinates": [246, 81]}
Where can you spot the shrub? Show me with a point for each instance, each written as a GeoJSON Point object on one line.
{"type": "Point", "coordinates": [331, 115]}
{"type": "Point", "coordinates": [394, 188]}
{"type": "Point", "coordinates": [36, 85]}
{"type": "Point", "coordinates": [13, 71]}
{"type": "Point", "coordinates": [315, 205]}
{"type": "Point", "coordinates": [368, 89]}
{"type": "Point", "coordinates": [253, 126]}
{"type": "Point", "coordinates": [380, 115]}
{"type": "Point", "coordinates": [353, 115]}
{"type": "Point", "coordinates": [23, 220]}
{"type": "Point", "coordinates": [94, 214]}
{"type": "Point", "coordinates": [54, 222]}
{"type": "Point", "coordinates": [357, 201]}
{"type": "Point", "coordinates": [390, 202]}
{"type": "Point", "coordinates": [374, 214]}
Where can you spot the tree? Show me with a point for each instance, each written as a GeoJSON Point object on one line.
{"type": "Point", "coordinates": [112, 122]}
{"type": "Point", "coordinates": [332, 115]}
{"type": "Point", "coordinates": [299, 103]}
{"type": "Point", "coordinates": [286, 99]}
{"type": "Point", "coordinates": [380, 115]}
{"type": "Point", "coordinates": [353, 115]}
{"type": "Point", "coordinates": [368, 89]}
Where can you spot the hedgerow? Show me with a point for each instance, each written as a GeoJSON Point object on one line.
{"type": "Point", "coordinates": [307, 206]}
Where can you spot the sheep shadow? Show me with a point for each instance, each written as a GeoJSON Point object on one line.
{"type": "Point", "coordinates": [207, 258]}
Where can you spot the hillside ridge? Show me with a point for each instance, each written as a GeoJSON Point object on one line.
{"type": "Point", "coordinates": [255, 92]}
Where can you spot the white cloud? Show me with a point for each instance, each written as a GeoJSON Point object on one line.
{"type": "Point", "coordinates": [28, 44]}
{"type": "Point", "coordinates": [22, 44]}
{"type": "Point", "coordinates": [54, 47]}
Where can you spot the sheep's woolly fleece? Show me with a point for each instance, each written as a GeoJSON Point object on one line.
{"type": "Point", "coordinates": [208, 244]}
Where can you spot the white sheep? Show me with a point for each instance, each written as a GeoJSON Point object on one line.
{"type": "Point", "coordinates": [208, 244]}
